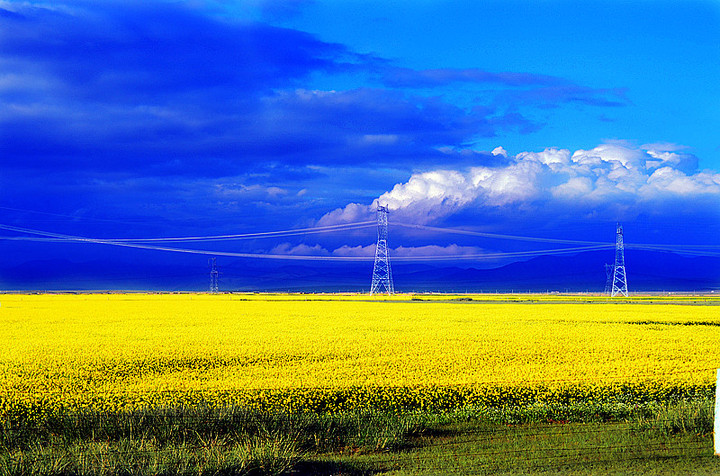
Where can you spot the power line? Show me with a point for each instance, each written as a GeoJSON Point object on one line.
{"type": "Point", "coordinates": [649, 246]}
{"type": "Point", "coordinates": [146, 243]}
{"type": "Point", "coordinates": [371, 224]}
{"type": "Point", "coordinates": [128, 243]}
{"type": "Point", "coordinates": [497, 255]}
{"type": "Point", "coordinates": [240, 236]}
{"type": "Point", "coordinates": [499, 235]}
{"type": "Point", "coordinates": [245, 236]}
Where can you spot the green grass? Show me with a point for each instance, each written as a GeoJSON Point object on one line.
{"type": "Point", "coordinates": [653, 438]}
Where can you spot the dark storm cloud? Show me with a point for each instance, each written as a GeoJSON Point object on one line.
{"type": "Point", "coordinates": [341, 127]}
{"type": "Point", "coordinates": [293, 127]}
{"type": "Point", "coordinates": [135, 51]}
{"type": "Point", "coordinates": [123, 85]}
{"type": "Point", "coordinates": [165, 89]}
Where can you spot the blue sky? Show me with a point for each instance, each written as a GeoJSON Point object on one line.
{"type": "Point", "coordinates": [537, 118]}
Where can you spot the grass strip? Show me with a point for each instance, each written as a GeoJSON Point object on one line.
{"type": "Point", "coordinates": [663, 438]}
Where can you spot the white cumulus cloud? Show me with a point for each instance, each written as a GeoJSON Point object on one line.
{"type": "Point", "coordinates": [301, 249]}
{"type": "Point", "coordinates": [612, 173]}
{"type": "Point", "coordinates": [499, 151]}
{"type": "Point", "coordinates": [453, 250]}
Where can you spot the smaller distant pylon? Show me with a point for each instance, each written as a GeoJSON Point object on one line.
{"type": "Point", "coordinates": [214, 274]}
{"type": "Point", "coordinates": [619, 284]}
{"type": "Point", "coordinates": [608, 278]}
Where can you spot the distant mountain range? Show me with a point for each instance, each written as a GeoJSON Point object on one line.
{"type": "Point", "coordinates": [646, 271]}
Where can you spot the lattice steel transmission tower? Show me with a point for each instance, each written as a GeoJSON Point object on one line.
{"type": "Point", "coordinates": [382, 274]}
{"type": "Point", "coordinates": [608, 278]}
{"type": "Point", "coordinates": [214, 273]}
{"type": "Point", "coordinates": [619, 284]}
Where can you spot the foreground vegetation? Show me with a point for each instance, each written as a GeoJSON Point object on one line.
{"type": "Point", "coordinates": [584, 439]}
{"type": "Point", "coordinates": [351, 384]}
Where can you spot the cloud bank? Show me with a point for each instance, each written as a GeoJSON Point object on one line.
{"type": "Point", "coordinates": [609, 178]}
{"type": "Point", "coordinates": [368, 251]}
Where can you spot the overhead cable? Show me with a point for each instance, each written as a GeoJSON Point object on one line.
{"type": "Point", "coordinates": [687, 249]}
{"type": "Point", "coordinates": [125, 244]}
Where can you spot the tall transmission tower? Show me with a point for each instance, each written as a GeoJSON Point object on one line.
{"type": "Point", "coordinates": [608, 278]}
{"type": "Point", "coordinates": [619, 284]}
{"type": "Point", "coordinates": [382, 274]}
{"type": "Point", "coordinates": [213, 275]}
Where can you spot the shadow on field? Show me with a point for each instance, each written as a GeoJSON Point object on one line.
{"type": "Point", "coordinates": [328, 468]}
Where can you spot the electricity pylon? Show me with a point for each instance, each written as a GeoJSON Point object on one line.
{"type": "Point", "coordinates": [619, 285]}
{"type": "Point", "coordinates": [608, 278]}
{"type": "Point", "coordinates": [213, 275]}
{"type": "Point", "coordinates": [382, 274]}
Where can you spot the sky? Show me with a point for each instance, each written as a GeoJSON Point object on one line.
{"type": "Point", "coordinates": [545, 119]}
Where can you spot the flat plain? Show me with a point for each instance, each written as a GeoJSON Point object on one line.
{"type": "Point", "coordinates": [294, 354]}
{"type": "Point", "coordinates": [350, 350]}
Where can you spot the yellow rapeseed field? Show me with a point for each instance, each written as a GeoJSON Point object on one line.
{"type": "Point", "coordinates": [323, 352]}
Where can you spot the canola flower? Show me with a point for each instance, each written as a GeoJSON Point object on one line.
{"type": "Point", "coordinates": [331, 353]}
